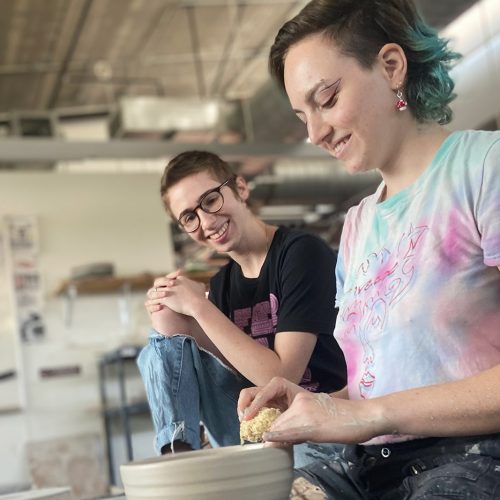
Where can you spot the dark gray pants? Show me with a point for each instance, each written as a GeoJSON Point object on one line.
{"type": "Point", "coordinates": [423, 469]}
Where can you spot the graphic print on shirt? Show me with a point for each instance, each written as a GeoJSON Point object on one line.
{"type": "Point", "coordinates": [259, 321]}
{"type": "Point", "coordinates": [380, 281]}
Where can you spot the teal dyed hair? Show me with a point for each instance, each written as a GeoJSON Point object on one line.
{"type": "Point", "coordinates": [429, 87]}
{"type": "Point", "coordinates": [360, 28]}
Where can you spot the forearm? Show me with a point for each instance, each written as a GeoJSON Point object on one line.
{"type": "Point", "coordinates": [341, 394]}
{"type": "Point", "coordinates": [467, 407]}
{"type": "Point", "coordinates": [254, 361]}
{"type": "Point", "coordinates": [168, 322]}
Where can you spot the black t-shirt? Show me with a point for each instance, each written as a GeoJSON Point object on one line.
{"type": "Point", "coordinates": [295, 292]}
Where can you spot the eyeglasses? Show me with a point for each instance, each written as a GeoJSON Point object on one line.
{"type": "Point", "coordinates": [211, 202]}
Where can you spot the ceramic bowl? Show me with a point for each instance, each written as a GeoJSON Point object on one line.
{"type": "Point", "coordinates": [233, 472]}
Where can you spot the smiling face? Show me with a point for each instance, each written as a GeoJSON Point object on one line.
{"type": "Point", "coordinates": [221, 230]}
{"type": "Point", "coordinates": [348, 110]}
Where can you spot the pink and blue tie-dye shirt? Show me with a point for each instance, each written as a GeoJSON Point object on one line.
{"type": "Point", "coordinates": [418, 288]}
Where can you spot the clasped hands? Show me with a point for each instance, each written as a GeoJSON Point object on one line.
{"type": "Point", "coordinates": [176, 292]}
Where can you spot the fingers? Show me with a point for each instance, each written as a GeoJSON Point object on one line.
{"type": "Point", "coordinates": [245, 398]}
{"type": "Point", "coordinates": [271, 444]}
{"type": "Point", "coordinates": [160, 289]}
{"type": "Point", "coordinates": [152, 308]}
{"type": "Point", "coordinates": [259, 400]}
{"type": "Point", "coordinates": [163, 282]}
{"type": "Point", "coordinates": [291, 435]}
{"type": "Point", "coordinates": [251, 400]}
{"type": "Point", "coordinates": [167, 280]}
{"type": "Point", "coordinates": [156, 293]}
{"type": "Point", "coordinates": [173, 274]}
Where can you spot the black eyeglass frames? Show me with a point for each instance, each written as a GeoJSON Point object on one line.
{"type": "Point", "coordinates": [211, 202]}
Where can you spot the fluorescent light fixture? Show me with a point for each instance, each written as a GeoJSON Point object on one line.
{"type": "Point", "coordinates": [105, 166]}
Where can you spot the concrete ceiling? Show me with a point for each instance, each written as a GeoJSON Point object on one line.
{"type": "Point", "coordinates": [83, 53]}
{"type": "Point", "coordinates": [65, 53]}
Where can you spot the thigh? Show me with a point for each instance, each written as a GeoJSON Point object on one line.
{"type": "Point", "coordinates": [223, 380]}
{"type": "Point", "coordinates": [306, 453]}
{"type": "Point", "coordinates": [454, 477]}
{"type": "Point", "coordinates": [163, 364]}
{"type": "Point", "coordinates": [337, 479]}
{"type": "Point", "coordinates": [219, 390]}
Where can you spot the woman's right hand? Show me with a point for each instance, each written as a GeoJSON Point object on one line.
{"type": "Point", "coordinates": [278, 393]}
{"type": "Point", "coordinates": [164, 320]}
{"type": "Point", "coordinates": [158, 291]}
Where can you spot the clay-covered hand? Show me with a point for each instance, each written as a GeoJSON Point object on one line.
{"type": "Point", "coordinates": [321, 418]}
{"type": "Point", "coordinates": [311, 416]}
{"type": "Point", "coordinates": [278, 393]}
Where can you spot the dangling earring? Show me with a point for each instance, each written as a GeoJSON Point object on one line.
{"type": "Point", "coordinates": [401, 103]}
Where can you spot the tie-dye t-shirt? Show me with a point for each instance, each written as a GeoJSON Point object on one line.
{"type": "Point", "coordinates": [418, 288]}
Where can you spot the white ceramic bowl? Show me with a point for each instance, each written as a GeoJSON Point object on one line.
{"type": "Point", "coordinates": [232, 472]}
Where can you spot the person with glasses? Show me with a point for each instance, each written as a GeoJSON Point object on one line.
{"type": "Point", "coordinates": [269, 311]}
{"type": "Point", "coordinates": [418, 281]}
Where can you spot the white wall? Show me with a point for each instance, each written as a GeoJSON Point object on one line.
{"type": "Point", "coordinates": [476, 36]}
{"type": "Point", "coordinates": [82, 218]}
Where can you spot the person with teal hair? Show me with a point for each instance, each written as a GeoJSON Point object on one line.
{"type": "Point", "coordinates": [418, 281]}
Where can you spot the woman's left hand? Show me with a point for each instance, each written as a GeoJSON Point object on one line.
{"type": "Point", "coordinates": [179, 293]}
{"type": "Point", "coordinates": [321, 418]}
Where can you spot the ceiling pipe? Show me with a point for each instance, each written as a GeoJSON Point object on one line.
{"type": "Point", "coordinates": [54, 95]}
{"type": "Point", "coordinates": [195, 45]}
{"type": "Point", "coordinates": [29, 150]}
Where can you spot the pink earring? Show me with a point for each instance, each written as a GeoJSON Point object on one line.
{"type": "Point", "coordinates": [401, 103]}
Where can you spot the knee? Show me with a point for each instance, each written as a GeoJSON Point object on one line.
{"type": "Point", "coordinates": [168, 322]}
{"type": "Point", "coordinates": [162, 351]}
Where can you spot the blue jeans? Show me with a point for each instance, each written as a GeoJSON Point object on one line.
{"type": "Point", "coordinates": [424, 469]}
{"type": "Point", "coordinates": [186, 385]}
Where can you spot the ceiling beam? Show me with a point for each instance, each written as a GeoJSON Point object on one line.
{"type": "Point", "coordinates": [245, 3]}
{"type": "Point", "coordinates": [42, 150]}
{"type": "Point", "coordinates": [70, 52]}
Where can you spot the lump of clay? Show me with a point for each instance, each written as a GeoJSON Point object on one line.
{"type": "Point", "coordinates": [252, 430]}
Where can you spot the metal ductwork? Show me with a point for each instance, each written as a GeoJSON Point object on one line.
{"type": "Point", "coordinates": [28, 124]}
{"type": "Point", "coordinates": [269, 117]}
{"type": "Point", "coordinates": [163, 117]}
{"type": "Point", "coordinates": [309, 181]}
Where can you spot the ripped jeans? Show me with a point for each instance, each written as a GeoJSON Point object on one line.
{"type": "Point", "coordinates": [186, 385]}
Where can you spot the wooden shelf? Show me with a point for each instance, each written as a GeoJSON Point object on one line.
{"type": "Point", "coordinates": [106, 284]}
{"type": "Point", "coordinates": [203, 276]}
{"type": "Point", "coordinates": [111, 284]}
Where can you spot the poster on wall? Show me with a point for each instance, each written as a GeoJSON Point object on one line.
{"type": "Point", "coordinates": [23, 247]}
{"type": "Point", "coordinates": [10, 359]}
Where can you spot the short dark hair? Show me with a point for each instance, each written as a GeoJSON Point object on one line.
{"type": "Point", "coordinates": [190, 163]}
{"type": "Point", "coordinates": [360, 28]}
